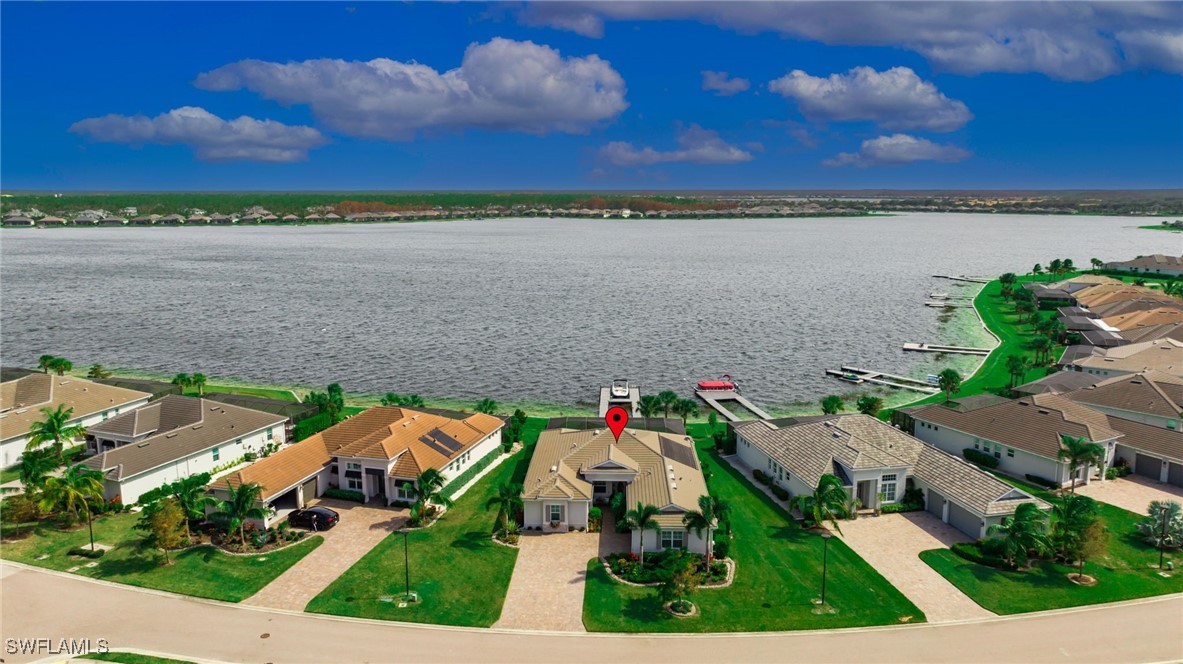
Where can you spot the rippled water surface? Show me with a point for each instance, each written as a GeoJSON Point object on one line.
{"type": "Point", "coordinates": [524, 309]}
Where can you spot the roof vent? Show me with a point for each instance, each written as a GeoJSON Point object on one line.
{"type": "Point", "coordinates": [673, 485]}
{"type": "Point", "coordinates": [1136, 382]}
{"type": "Point", "coordinates": [143, 444]}
{"type": "Point", "coordinates": [554, 469]}
{"type": "Point", "coordinates": [197, 426]}
{"type": "Point", "coordinates": [1043, 411]}
{"type": "Point", "coordinates": [669, 468]}
{"type": "Point", "coordinates": [1023, 402]}
{"type": "Point", "coordinates": [836, 434]}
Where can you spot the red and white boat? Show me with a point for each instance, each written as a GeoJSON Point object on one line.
{"type": "Point", "coordinates": [724, 385]}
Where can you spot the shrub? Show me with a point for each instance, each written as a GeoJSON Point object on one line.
{"type": "Point", "coordinates": [20, 509]}
{"type": "Point", "coordinates": [722, 547]}
{"type": "Point", "coordinates": [977, 552]}
{"type": "Point", "coordinates": [346, 494]}
{"type": "Point", "coordinates": [395, 502]}
{"type": "Point", "coordinates": [1116, 472]}
{"type": "Point", "coordinates": [980, 458]}
{"type": "Point", "coordinates": [595, 513]}
{"type": "Point", "coordinates": [1042, 481]}
{"type": "Point", "coordinates": [902, 506]}
{"type": "Point", "coordinates": [762, 477]}
{"type": "Point", "coordinates": [250, 456]}
{"type": "Point", "coordinates": [780, 492]}
{"type": "Point", "coordinates": [85, 552]}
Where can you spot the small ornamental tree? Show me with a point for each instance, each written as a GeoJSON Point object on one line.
{"type": "Point", "coordinates": [832, 404]}
{"type": "Point", "coordinates": [869, 405]}
{"type": "Point", "coordinates": [162, 521]}
{"type": "Point", "coordinates": [950, 383]}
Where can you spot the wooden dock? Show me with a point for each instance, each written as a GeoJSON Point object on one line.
{"type": "Point", "coordinates": [714, 397]}
{"type": "Point", "coordinates": [937, 348]}
{"type": "Point", "coordinates": [949, 304]}
{"type": "Point", "coordinates": [883, 378]}
{"type": "Point", "coordinates": [962, 277]}
{"type": "Point", "coordinates": [631, 403]}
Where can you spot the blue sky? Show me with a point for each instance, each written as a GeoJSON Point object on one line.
{"type": "Point", "coordinates": [582, 95]}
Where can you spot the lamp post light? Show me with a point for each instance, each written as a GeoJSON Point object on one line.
{"type": "Point", "coordinates": [825, 555]}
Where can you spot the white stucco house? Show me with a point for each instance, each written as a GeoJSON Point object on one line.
{"type": "Point", "coordinates": [573, 469]}
{"type": "Point", "coordinates": [22, 401]}
{"type": "Point", "coordinates": [176, 437]}
{"type": "Point", "coordinates": [379, 453]}
{"type": "Point", "coordinates": [877, 463]}
{"type": "Point", "coordinates": [1023, 435]}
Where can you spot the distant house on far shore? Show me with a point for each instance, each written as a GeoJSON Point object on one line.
{"type": "Point", "coordinates": [1154, 264]}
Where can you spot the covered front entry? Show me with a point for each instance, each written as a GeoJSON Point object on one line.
{"type": "Point", "coordinates": [866, 493]}
{"type": "Point", "coordinates": [1148, 466]}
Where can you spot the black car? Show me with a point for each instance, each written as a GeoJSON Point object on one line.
{"type": "Point", "coordinates": [314, 518]}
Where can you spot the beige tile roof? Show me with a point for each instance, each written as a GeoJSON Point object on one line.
{"type": "Point", "coordinates": [21, 400]}
{"type": "Point", "coordinates": [1109, 293]}
{"type": "Point", "coordinates": [1152, 262]}
{"type": "Point", "coordinates": [1164, 355]}
{"type": "Point", "coordinates": [1149, 392]}
{"type": "Point", "coordinates": [184, 426]}
{"type": "Point", "coordinates": [1033, 424]}
{"type": "Point", "coordinates": [283, 469]}
{"type": "Point", "coordinates": [662, 475]}
{"type": "Point", "coordinates": [968, 485]}
{"type": "Point", "coordinates": [1150, 439]}
{"type": "Point", "coordinates": [1136, 319]}
{"type": "Point", "coordinates": [1154, 332]}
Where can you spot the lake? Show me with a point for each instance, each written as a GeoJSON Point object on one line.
{"type": "Point", "coordinates": [528, 310]}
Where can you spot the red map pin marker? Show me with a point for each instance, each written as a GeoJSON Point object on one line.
{"type": "Point", "coordinates": [617, 419]}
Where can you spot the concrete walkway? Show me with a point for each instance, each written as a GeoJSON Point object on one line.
{"type": "Point", "coordinates": [891, 543]}
{"type": "Point", "coordinates": [1132, 492]}
{"type": "Point", "coordinates": [196, 629]}
{"type": "Point", "coordinates": [546, 589]}
{"type": "Point", "coordinates": [361, 528]}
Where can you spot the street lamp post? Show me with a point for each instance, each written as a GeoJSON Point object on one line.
{"type": "Point", "coordinates": [825, 556]}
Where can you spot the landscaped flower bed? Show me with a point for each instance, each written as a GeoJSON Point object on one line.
{"type": "Point", "coordinates": [627, 566]}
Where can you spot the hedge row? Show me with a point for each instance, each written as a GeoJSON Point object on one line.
{"type": "Point", "coordinates": [980, 458]}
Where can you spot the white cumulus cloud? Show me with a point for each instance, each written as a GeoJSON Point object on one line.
{"type": "Point", "coordinates": [1065, 40]}
{"type": "Point", "coordinates": [502, 85]}
{"type": "Point", "coordinates": [896, 150]}
{"type": "Point", "coordinates": [895, 99]}
{"type": "Point", "coordinates": [695, 146]}
{"type": "Point", "coordinates": [210, 137]}
{"type": "Point", "coordinates": [722, 84]}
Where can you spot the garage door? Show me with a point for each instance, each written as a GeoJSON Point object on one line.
{"type": "Point", "coordinates": [965, 521]}
{"type": "Point", "coordinates": [1175, 474]}
{"type": "Point", "coordinates": [309, 490]}
{"type": "Point", "coordinates": [936, 503]}
{"type": "Point", "coordinates": [1148, 466]}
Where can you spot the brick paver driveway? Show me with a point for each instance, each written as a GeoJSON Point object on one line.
{"type": "Point", "coordinates": [546, 589]}
{"type": "Point", "coordinates": [1131, 493]}
{"type": "Point", "coordinates": [360, 529]}
{"type": "Point", "coordinates": [892, 543]}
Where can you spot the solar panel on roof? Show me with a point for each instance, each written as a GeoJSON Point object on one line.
{"type": "Point", "coordinates": [683, 454]}
{"type": "Point", "coordinates": [435, 445]}
{"type": "Point", "coordinates": [446, 440]}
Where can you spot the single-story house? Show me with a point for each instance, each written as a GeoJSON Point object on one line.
{"type": "Point", "coordinates": [1103, 339]}
{"type": "Point", "coordinates": [1149, 451]}
{"type": "Point", "coordinates": [877, 462]}
{"type": "Point", "coordinates": [18, 220]}
{"type": "Point", "coordinates": [21, 401]}
{"type": "Point", "coordinates": [1023, 435]}
{"type": "Point", "coordinates": [1154, 264]}
{"type": "Point", "coordinates": [1165, 355]}
{"type": "Point", "coordinates": [379, 452]}
{"type": "Point", "coordinates": [175, 437]}
{"type": "Point", "coordinates": [157, 388]}
{"type": "Point", "coordinates": [572, 469]}
{"type": "Point", "coordinates": [1150, 397]}
{"type": "Point", "coordinates": [1154, 333]}
{"type": "Point", "coordinates": [294, 411]}
{"type": "Point", "coordinates": [1057, 383]}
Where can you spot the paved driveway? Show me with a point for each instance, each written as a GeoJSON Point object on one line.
{"type": "Point", "coordinates": [546, 589]}
{"type": "Point", "coordinates": [892, 543]}
{"type": "Point", "coordinates": [360, 529]}
{"type": "Point", "coordinates": [1131, 492]}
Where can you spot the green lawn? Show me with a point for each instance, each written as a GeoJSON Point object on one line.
{"type": "Point", "coordinates": [779, 573]}
{"type": "Point", "coordinates": [201, 572]}
{"type": "Point", "coordinates": [1163, 228]}
{"type": "Point", "coordinates": [132, 658]}
{"type": "Point", "coordinates": [460, 574]}
{"type": "Point", "coordinates": [264, 392]}
{"type": "Point", "coordinates": [70, 454]}
{"type": "Point", "coordinates": [1130, 570]}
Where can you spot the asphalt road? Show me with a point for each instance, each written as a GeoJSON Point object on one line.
{"type": "Point", "coordinates": [43, 604]}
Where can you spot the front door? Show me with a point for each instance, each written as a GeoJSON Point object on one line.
{"type": "Point", "coordinates": [866, 493]}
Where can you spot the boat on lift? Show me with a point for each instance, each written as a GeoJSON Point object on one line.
{"type": "Point", "coordinates": [620, 388]}
{"type": "Point", "coordinates": [727, 384]}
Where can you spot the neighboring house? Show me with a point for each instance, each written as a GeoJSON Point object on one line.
{"type": "Point", "coordinates": [1165, 315]}
{"type": "Point", "coordinates": [294, 411]}
{"type": "Point", "coordinates": [1023, 435]}
{"type": "Point", "coordinates": [572, 469]}
{"type": "Point", "coordinates": [1057, 383]}
{"type": "Point", "coordinates": [1165, 355]}
{"type": "Point", "coordinates": [877, 462]}
{"type": "Point", "coordinates": [175, 437]}
{"type": "Point", "coordinates": [21, 401]}
{"type": "Point", "coordinates": [1154, 333]}
{"type": "Point", "coordinates": [157, 388]}
{"type": "Point", "coordinates": [1155, 264]}
{"type": "Point", "coordinates": [1150, 397]}
{"type": "Point", "coordinates": [379, 452]}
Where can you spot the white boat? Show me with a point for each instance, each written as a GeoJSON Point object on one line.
{"type": "Point", "coordinates": [620, 388]}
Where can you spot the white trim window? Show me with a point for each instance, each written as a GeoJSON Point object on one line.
{"type": "Point", "coordinates": [673, 539]}
{"type": "Point", "coordinates": [349, 465]}
{"type": "Point", "coordinates": [887, 488]}
{"type": "Point", "coordinates": [354, 483]}
{"type": "Point", "coordinates": [555, 512]}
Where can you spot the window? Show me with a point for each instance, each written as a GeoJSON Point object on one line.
{"type": "Point", "coordinates": [217, 454]}
{"type": "Point", "coordinates": [599, 487]}
{"type": "Point", "coordinates": [270, 435]}
{"type": "Point", "coordinates": [405, 491]}
{"type": "Point", "coordinates": [975, 444]}
{"type": "Point", "coordinates": [238, 441]}
{"type": "Point", "coordinates": [1010, 452]}
{"type": "Point", "coordinates": [997, 452]}
{"type": "Point", "coordinates": [354, 483]}
{"type": "Point", "coordinates": [352, 466]}
{"type": "Point", "coordinates": [673, 539]}
{"type": "Point", "coordinates": [887, 488]}
{"type": "Point", "coordinates": [104, 414]}
{"type": "Point", "coordinates": [556, 512]}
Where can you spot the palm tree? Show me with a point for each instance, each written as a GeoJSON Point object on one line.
{"type": "Point", "coordinates": [1071, 516]}
{"type": "Point", "coordinates": [826, 503]}
{"type": "Point", "coordinates": [649, 405]}
{"type": "Point", "coordinates": [98, 372]}
{"type": "Point", "coordinates": [486, 406]}
{"type": "Point", "coordinates": [428, 486]}
{"type": "Point", "coordinates": [641, 519]}
{"type": "Point", "coordinates": [44, 361]}
{"type": "Point", "coordinates": [832, 404]}
{"type": "Point", "coordinates": [1016, 366]}
{"type": "Point", "coordinates": [1055, 267]}
{"type": "Point", "coordinates": [1079, 452]}
{"type": "Point", "coordinates": [1025, 309]}
{"type": "Point", "coordinates": [55, 428]}
{"type": "Point", "coordinates": [1067, 266]}
{"type": "Point", "coordinates": [723, 515]}
{"type": "Point", "coordinates": [60, 365]}
{"type": "Point", "coordinates": [36, 465]}
{"type": "Point", "coordinates": [667, 398]}
{"type": "Point", "coordinates": [703, 519]}
{"type": "Point", "coordinates": [1037, 270]}
{"type": "Point", "coordinates": [950, 383]}
{"type": "Point", "coordinates": [1022, 533]}
{"type": "Point", "coordinates": [183, 381]}
{"type": "Point", "coordinates": [233, 514]}
{"type": "Point", "coordinates": [507, 500]}
{"type": "Point", "coordinates": [198, 380]}
{"type": "Point", "coordinates": [192, 498]}
{"type": "Point", "coordinates": [686, 408]}
{"type": "Point", "coordinates": [1042, 346]}
{"type": "Point", "coordinates": [72, 490]}
{"type": "Point", "coordinates": [1096, 263]}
